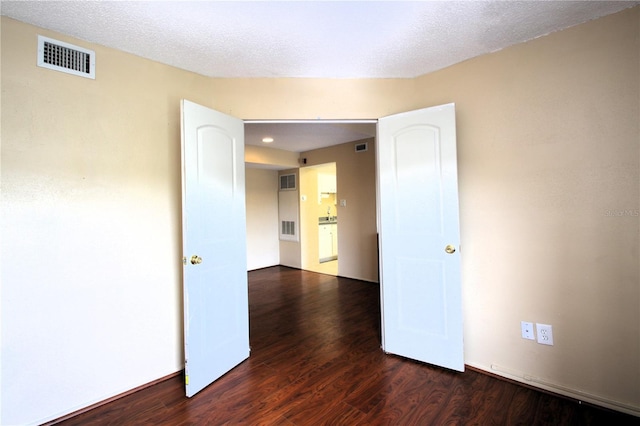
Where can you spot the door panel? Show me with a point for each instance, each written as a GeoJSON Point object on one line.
{"type": "Point", "coordinates": [216, 317]}
{"type": "Point", "coordinates": [418, 218]}
{"type": "Point", "coordinates": [417, 181]}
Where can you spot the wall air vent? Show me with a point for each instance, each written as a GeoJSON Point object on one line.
{"type": "Point", "coordinates": [361, 147]}
{"type": "Point", "coordinates": [65, 57]}
{"type": "Point", "coordinates": [287, 182]}
{"type": "Point", "coordinates": [288, 228]}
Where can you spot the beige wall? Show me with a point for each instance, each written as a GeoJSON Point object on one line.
{"type": "Point", "coordinates": [298, 98]}
{"type": "Point", "coordinates": [91, 234]}
{"type": "Point", "coordinates": [548, 146]}
{"type": "Point", "coordinates": [261, 157]}
{"type": "Point", "coordinates": [291, 251]}
{"type": "Point", "coordinates": [309, 235]}
{"type": "Point", "coordinates": [262, 218]}
{"type": "Point", "coordinates": [548, 162]}
{"type": "Point", "coordinates": [263, 245]}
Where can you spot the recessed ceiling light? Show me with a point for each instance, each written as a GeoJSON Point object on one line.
{"type": "Point", "coordinates": [267, 140]}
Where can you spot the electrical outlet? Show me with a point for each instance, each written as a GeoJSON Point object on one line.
{"type": "Point", "coordinates": [545, 334]}
{"type": "Point", "coordinates": [527, 330]}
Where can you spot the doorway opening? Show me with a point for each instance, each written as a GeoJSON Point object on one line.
{"type": "Point", "coordinates": [334, 199]}
{"type": "Point", "coordinates": [319, 218]}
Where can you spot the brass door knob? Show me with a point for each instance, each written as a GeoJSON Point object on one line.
{"type": "Point", "coordinates": [196, 260]}
{"type": "Point", "coordinates": [450, 249]}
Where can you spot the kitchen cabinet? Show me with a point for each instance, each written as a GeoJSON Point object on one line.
{"type": "Point", "coordinates": [334, 240]}
{"type": "Point", "coordinates": [328, 242]}
{"type": "Point", "coordinates": [327, 184]}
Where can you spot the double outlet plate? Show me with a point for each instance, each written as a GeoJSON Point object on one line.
{"type": "Point", "coordinates": [544, 332]}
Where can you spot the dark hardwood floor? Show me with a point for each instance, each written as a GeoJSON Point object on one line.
{"type": "Point", "coordinates": [316, 360]}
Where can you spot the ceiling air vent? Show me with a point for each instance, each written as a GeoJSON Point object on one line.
{"type": "Point", "coordinates": [65, 57]}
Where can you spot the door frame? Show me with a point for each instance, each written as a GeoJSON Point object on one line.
{"type": "Point", "coordinates": [347, 121]}
{"type": "Point", "coordinates": [310, 260]}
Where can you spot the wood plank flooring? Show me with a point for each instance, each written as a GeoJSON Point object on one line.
{"type": "Point", "coordinates": [316, 360]}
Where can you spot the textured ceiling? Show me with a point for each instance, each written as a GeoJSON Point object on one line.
{"type": "Point", "coordinates": [333, 39]}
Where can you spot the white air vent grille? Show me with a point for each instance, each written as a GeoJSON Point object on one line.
{"type": "Point", "coordinates": [288, 228]}
{"type": "Point", "coordinates": [65, 57]}
{"type": "Point", "coordinates": [287, 182]}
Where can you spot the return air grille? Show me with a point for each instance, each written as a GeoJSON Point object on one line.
{"type": "Point", "coordinates": [288, 227]}
{"type": "Point", "coordinates": [64, 57]}
{"type": "Point", "coordinates": [287, 182]}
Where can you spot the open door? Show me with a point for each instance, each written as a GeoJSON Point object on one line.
{"type": "Point", "coordinates": [216, 305]}
{"type": "Point", "coordinates": [419, 236]}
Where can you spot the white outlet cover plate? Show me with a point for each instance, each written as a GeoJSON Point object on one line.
{"type": "Point", "coordinates": [545, 334]}
{"type": "Point", "coordinates": [527, 330]}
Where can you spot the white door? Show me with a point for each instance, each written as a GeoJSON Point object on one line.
{"type": "Point", "coordinates": [419, 236]}
{"type": "Point", "coordinates": [216, 306]}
